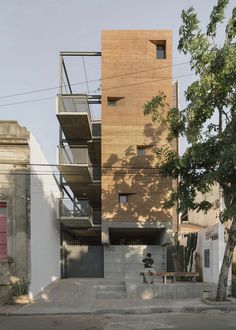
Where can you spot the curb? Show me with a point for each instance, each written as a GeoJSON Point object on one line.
{"type": "Point", "coordinates": [132, 310]}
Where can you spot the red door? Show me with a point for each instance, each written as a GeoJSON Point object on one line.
{"type": "Point", "coordinates": [3, 230]}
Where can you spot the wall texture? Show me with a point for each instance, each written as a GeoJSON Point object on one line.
{"type": "Point", "coordinates": [132, 75]}
{"type": "Point", "coordinates": [14, 190]}
{"type": "Point", "coordinates": [45, 230]}
{"type": "Point", "coordinates": [212, 216]}
{"type": "Point", "coordinates": [213, 240]}
{"type": "Point", "coordinates": [124, 262]}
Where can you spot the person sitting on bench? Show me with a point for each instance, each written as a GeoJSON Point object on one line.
{"type": "Point", "coordinates": [148, 270]}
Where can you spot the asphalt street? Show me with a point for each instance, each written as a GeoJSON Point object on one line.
{"type": "Point", "coordinates": [213, 319]}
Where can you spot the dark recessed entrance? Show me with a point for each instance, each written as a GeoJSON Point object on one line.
{"type": "Point", "coordinates": [136, 236]}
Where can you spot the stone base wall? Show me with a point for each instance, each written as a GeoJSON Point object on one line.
{"type": "Point", "coordinates": [4, 294]}
{"type": "Point", "coordinates": [169, 291]}
{"type": "Point", "coordinates": [124, 262]}
{"type": "Point", "coordinates": [5, 272]}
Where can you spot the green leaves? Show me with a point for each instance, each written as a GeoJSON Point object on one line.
{"type": "Point", "coordinates": [176, 120]}
{"type": "Point", "coordinates": [188, 30]}
{"type": "Point", "coordinates": [209, 120]}
{"type": "Point", "coordinates": [157, 108]}
{"type": "Point", "coordinates": [217, 16]}
{"type": "Point", "coordinates": [231, 27]}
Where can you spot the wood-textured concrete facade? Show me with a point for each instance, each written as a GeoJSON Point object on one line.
{"type": "Point", "coordinates": [131, 75]}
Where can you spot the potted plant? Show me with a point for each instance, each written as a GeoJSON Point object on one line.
{"type": "Point", "coordinates": [19, 292]}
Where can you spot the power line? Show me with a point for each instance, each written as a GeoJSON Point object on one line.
{"type": "Point", "coordinates": [56, 165]}
{"type": "Point", "coordinates": [94, 180]}
{"type": "Point", "coordinates": [123, 170]}
{"type": "Point", "coordinates": [28, 101]}
{"type": "Point", "coordinates": [134, 84]}
{"type": "Point", "coordinates": [150, 81]}
{"type": "Point", "coordinates": [89, 81]}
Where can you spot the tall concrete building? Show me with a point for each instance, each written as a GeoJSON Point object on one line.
{"type": "Point", "coordinates": [111, 210]}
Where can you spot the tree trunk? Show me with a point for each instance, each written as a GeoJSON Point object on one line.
{"type": "Point", "coordinates": [228, 255]}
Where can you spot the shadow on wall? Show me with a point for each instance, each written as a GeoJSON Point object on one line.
{"type": "Point", "coordinates": [136, 175]}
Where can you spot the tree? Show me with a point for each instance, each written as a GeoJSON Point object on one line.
{"type": "Point", "coordinates": [208, 123]}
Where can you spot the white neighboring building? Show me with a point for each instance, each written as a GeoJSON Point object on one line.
{"type": "Point", "coordinates": [211, 235]}
{"type": "Point", "coordinates": [45, 228]}
{"type": "Point", "coordinates": [211, 246]}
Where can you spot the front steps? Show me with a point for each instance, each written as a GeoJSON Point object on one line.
{"type": "Point", "coordinates": [111, 289]}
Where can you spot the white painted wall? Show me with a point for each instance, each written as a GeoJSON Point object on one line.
{"type": "Point", "coordinates": [217, 248]}
{"type": "Point", "coordinates": [45, 233]}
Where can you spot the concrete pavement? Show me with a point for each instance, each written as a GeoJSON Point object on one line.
{"type": "Point", "coordinates": [78, 296]}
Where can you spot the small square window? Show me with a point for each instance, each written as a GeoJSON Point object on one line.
{"type": "Point", "coordinates": [207, 258]}
{"type": "Point", "coordinates": [161, 52]}
{"type": "Point", "coordinates": [123, 198]}
{"type": "Point", "coordinates": [141, 151]}
{"type": "Point", "coordinates": [112, 101]}
{"type": "Point", "coordinates": [160, 48]}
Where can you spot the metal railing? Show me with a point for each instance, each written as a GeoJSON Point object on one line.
{"type": "Point", "coordinates": [78, 156]}
{"type": "Point", "coordinates": [74, 103]}
{"type": "Point", "coordinates": [73, 155]}
{"type": "Point", "coordinates": [95, 172]}
{"type": "Point", "coordinates": [97, 220]}
{"type": "Point", "coordinates": [78, 208]}
{"type": "Point", "coordinates": [96, 129]}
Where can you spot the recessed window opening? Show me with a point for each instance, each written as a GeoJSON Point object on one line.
{"type": "Point", "coordinates": [141, 151]}
{"type": "Point", "coordinates": [160, 49]}
{"type": "Point", "coordinates": [112, 101]}
{"type": "Point", "coordinates": [123, 198]}
{"type": "Point", "coordinates": [160, 52]}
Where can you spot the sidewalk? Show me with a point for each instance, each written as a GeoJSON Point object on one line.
{"type": "Point", "coordinates": [78, 296]}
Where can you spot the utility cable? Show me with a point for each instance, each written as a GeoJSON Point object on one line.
{"type": "Point", "coordinates": [134, 84]}
{"type": "Point", "coordinates": [89, 81]}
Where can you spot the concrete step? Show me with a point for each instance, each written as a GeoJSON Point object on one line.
{"type": "Point", "coordinates": [111, 295]}
{"type": "Point", "coordinates": [111, 287]}
{"type": "Point", "coordinates": [111, 282]}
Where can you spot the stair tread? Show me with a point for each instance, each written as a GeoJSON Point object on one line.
{"type": "Point", "coordinates": [111, 295]}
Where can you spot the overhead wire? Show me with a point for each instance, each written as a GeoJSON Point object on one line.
{"type": "Point", "coordinates": [134, 84]}
{"type": "Point", "coordinates": [110, 77]}
{"type": "Point", "coordinates": [28, 101]}
{"type": "Point", "coordinates": [93, 80]}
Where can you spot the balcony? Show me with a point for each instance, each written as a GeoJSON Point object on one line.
{"type": "Point", "coordinates": [78, 214]}
{"type": "Point", "coordinates": [74, 116]}
{"type": "Point", "coordinates": [75, 214]}
{"type": "Point", "coordinates": [76, 167]}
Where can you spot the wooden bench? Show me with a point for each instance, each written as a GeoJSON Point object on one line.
{"type": "Point", "coordinates": [173, 275]}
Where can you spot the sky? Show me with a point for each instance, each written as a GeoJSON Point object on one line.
{"type": "Point", "coordinates": [34, 32]}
